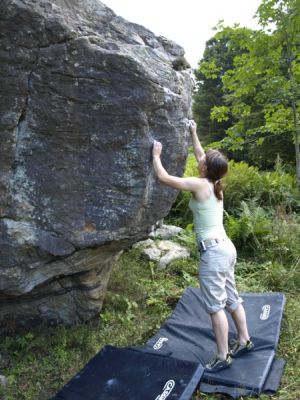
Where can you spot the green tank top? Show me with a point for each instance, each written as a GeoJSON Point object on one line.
{"type": "Point", "coordinates": [208, 217]}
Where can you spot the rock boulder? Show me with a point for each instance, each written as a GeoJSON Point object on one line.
{"type": "Point", "coordinates": [83, 95]}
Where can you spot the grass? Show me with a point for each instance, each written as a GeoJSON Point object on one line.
{"type": "Point", "coordinates": [139, 299]}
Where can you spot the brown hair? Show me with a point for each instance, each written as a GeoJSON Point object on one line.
{"type": "Point", "coordinates": [217, 167]}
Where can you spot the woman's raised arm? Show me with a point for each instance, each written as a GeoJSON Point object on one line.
{"type": "Point", "coordinates": [198, 149]}
{"type": "Point", "coordinates": [189, 184]}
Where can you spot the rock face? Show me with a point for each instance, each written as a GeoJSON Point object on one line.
{"type": "Point", "coordinates": [83, 95]}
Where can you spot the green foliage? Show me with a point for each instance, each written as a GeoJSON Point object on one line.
{"type": "Point", "coordinates": [267, 189]}
{"type": "Point", "coordinates": [241, 183]}
{"type": "Point", "coordinates": [220, 113]}
{"type": "Point", "coordinates": [248, 90]}
{"type": "Point", "coordinates": [265, 236]}
{"type": "Point", "coordinates": [283, 244]}
{"type": "Point", "coordinates": [120, 307]}
{"type": "Point", "coordinates": [278, 277]}
{"type": "Point", "coordinates": [249, 228]}
{"type": "Point", "coordinates": [209, 95]}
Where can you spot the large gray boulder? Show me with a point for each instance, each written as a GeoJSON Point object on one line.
{"type": "Point", "coordinates": [83, 95]}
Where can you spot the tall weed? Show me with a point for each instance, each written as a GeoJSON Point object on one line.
{"type": "Point", "coordinates": [279, 277]}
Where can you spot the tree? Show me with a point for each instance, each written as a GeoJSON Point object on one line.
{"type": "Point", "coordinates": [219, 55]}
{"type": "Point", "coordinates": [285, 14]}
{"type": "Point", "coordinates": [218, 58]}
{"type": "Point", "coordinates": [262, 88]}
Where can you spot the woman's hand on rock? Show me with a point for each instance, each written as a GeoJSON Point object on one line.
{"type": "Point", "coordinates": [157, 149]}
{"type": "Point", "coordinates": [192, 126]}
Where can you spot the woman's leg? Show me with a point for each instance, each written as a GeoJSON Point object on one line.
{"type": "Point", "coordinates": [234, 305]}
{"type": "Point", "coordinates": [220, 327]}
{"type": "Point", "coordinates": [239, 319]}
{"type": "Point", "coordinates": [213, 271]}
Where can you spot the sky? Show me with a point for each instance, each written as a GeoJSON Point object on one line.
{"type": "Point", "coordinates": [188, 22]}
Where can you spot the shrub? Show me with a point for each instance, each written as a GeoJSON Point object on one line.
{"type": "Point", "coordinates": [283, 244]}
{"type": "Point", "coordinates": [249, 227]}
{"type": "Point", "coordinates": [268, 189]}
{"type": "Point", "coordinates": [241, 184]}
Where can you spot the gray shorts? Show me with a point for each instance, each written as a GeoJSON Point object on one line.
{"type": "Point", "coordinates": [216, 274]}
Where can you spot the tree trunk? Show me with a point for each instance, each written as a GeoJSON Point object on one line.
{"type": "Point", "coordinates": [296, 122]}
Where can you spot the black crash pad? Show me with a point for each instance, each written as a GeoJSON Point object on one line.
{"type": "Point", "coordinates": [170, 365]}
{"type": "Point", "coordinates": [126, 374]}
{"type": "Point", "coordinates": [188, 335]}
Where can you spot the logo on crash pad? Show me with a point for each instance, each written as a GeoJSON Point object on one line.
{"type": "Point", "coordinates": [160, 343]}
{"type": "Point", "coordinates": [166, 391]}
{"type": "Point", "coordinates": [265, 312]}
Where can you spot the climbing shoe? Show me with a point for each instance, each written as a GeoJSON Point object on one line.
{"type": "Point", "coordinates": [216, 364]}
{"type": "Point", "coordinates": [238, 349]}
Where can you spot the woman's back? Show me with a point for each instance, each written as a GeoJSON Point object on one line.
{"type": "Point", "coordinates": [208, 217]}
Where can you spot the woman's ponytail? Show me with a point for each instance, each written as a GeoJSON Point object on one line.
{"type": "Point", "coordinates": [217, 167]}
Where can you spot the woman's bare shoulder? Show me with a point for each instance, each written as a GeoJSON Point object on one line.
{"type": "Point", "coordinates": [201, 181]}
{"type": "Point", "coordinates": [204, 190]}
